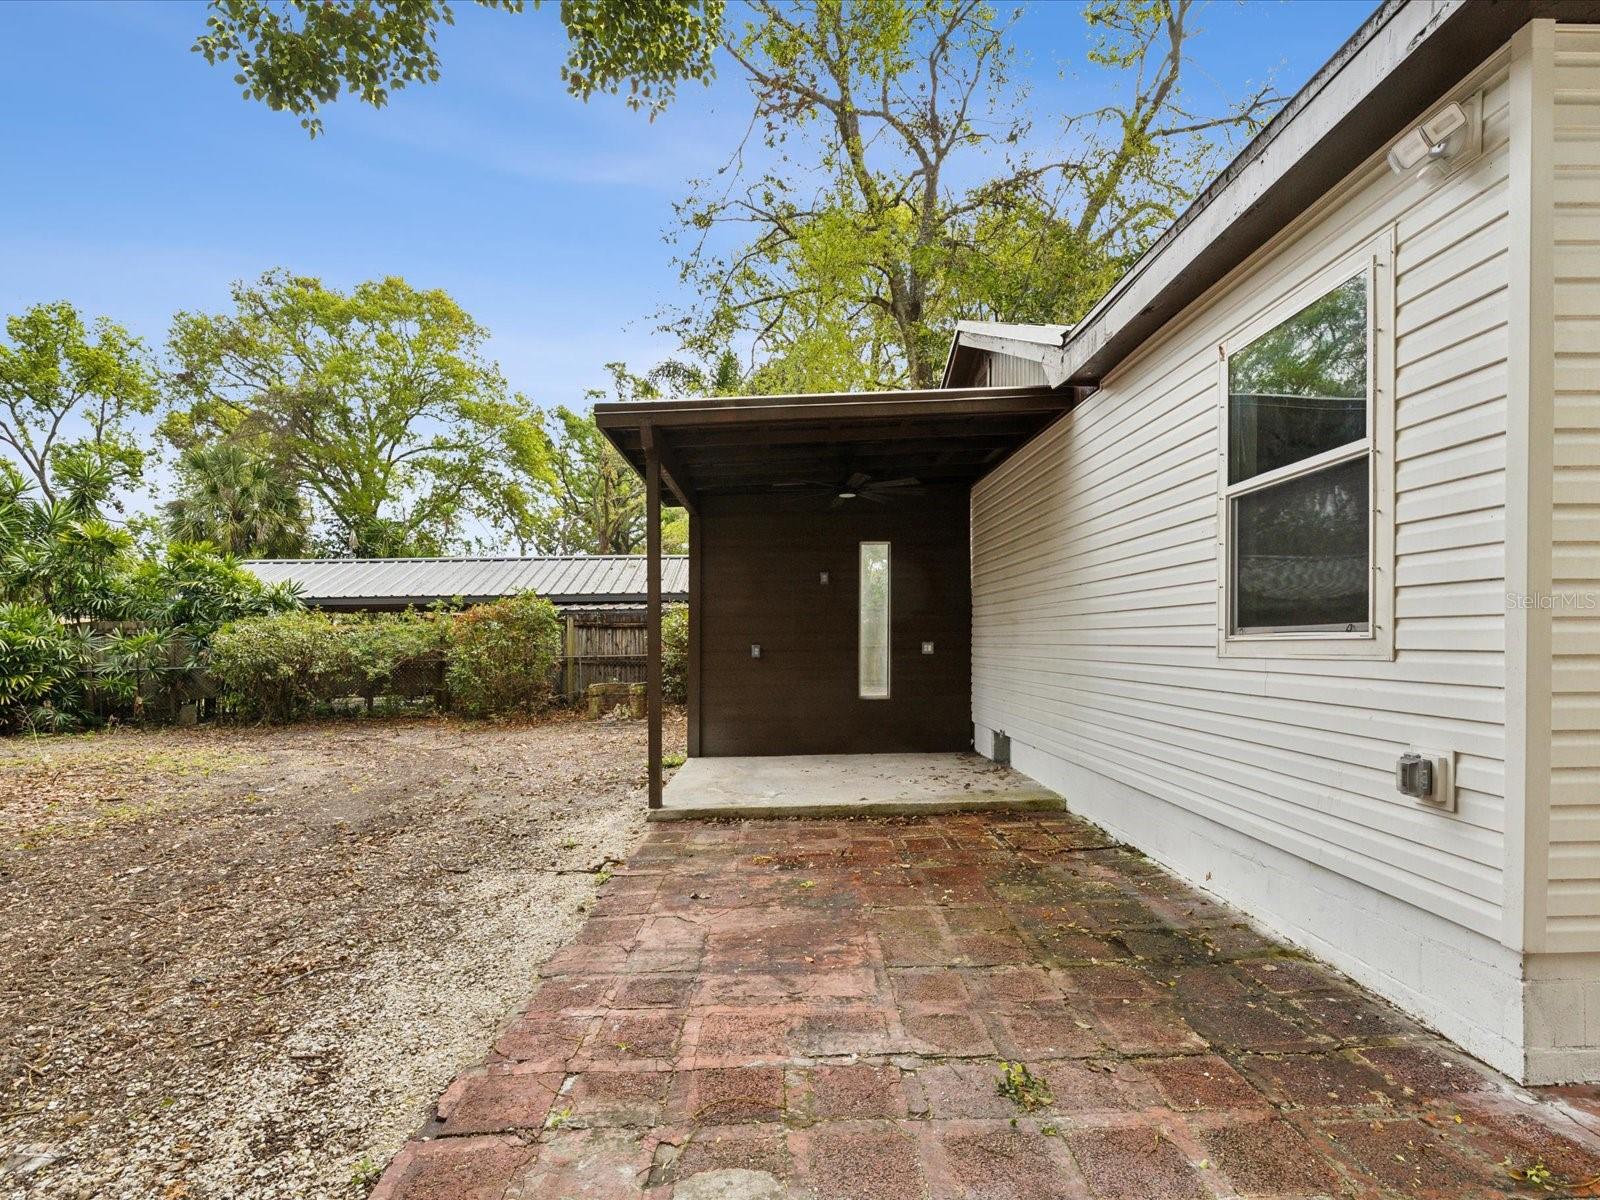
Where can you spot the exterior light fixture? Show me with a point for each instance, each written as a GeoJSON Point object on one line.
{"type": "Point", "coordinates": [1429, 142]}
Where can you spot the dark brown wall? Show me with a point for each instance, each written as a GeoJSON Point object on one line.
{"type": "Point", "coordinates": [762, 561]}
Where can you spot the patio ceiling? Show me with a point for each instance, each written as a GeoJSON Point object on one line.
{"type": "Point", "coordinates": [771, 443]}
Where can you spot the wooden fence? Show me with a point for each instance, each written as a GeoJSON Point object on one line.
{"type": "Point", "coordinates": [602, 650]}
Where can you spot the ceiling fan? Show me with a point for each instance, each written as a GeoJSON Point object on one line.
{"type": "Point", "coordinates": [860, 486]}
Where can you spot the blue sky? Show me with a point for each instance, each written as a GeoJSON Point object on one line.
{"type": "Point", "coordinates": [136, 182]}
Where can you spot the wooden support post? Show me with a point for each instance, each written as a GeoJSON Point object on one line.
{"type": "Point", "coordinates": [570, 684]}
{"type": "Point", "coordinates": [652, 669]}
{"type": "Point", "coordinates": [697, 538]}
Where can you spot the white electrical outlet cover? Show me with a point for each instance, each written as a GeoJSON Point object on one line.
{"type": "Point", "coordinates": [1443, 798]}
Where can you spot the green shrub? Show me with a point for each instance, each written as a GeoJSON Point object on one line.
{"type": "Point", "coordinates": [189, 586]}
{"type": "Point", "coordinates": [280, 668]}
{"type": "Point", "coordinates": [675, 653]}
{"type": "Point", "coordinates": [41, 670]}
{"type": "Point", "coordinates": [274, 668]}
{"type": "Point", "coordinates": [134, 667]}
{"type": "Point", "coordinates": [378, 648]}
{"type": "Point", "coordinates": [501, 656]}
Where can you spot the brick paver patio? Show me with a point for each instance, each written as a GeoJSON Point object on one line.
{"type": "Point", "coordinates": [818, 1009]}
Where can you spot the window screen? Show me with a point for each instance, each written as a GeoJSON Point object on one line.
{"type": "Point", "coordinates": [1301, 546]}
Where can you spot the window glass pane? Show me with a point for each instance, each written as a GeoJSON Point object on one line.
{"type": "Point", "coordinates": [1301, 388]}
{"type": "Point", "coordinates": [873, 641]}
{"type": "Point", "coordinates": [1300, 552]}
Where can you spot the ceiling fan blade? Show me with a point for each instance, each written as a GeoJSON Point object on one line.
{"type": "Point", "coordinates": [873, 496]}
{"type": "Point", "coordinates": [857, 481]}
{"type": "Point", "coordinates": [904, 482]}
{"type": "Point", "coordinates": [836, 502]}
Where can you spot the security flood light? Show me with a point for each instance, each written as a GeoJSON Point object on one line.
{"type": "Point", "coordinates": [1433, 140]}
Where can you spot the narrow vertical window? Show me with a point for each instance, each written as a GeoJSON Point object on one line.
{"type": "Point", "coordinates": [872, 653]}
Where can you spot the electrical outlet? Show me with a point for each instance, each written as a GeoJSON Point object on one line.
{"type": "Point", "coordinates": [755, 650]}
{"type": "Point", "coordinates": [1428, 777]}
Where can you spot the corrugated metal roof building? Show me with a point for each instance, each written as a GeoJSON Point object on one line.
{"type": "Point", "coordinates": [593, 582]}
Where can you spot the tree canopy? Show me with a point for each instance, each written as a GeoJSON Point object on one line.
{"type": "Point", "coordinates": [69, 390]}
{"type": "Point", "coordinates": [595, 502]}
{"type": "Point", "coordinates": [377, 402]}
{"type": "Point", "coordinates": [904, 185]}
{"type": "Point", "coordinates": [298, 55]}
{"type": "Point", "coordinates": [239, 499]}
{"type": "Point", "coordinates": [898, 181]}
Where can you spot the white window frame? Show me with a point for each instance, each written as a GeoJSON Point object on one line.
{"type": "Point", "coordinates": [1375, 261]}
{"type": "Point", "coordinates": [888, 617]}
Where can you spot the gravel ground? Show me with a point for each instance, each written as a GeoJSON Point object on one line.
{"type": "Point", "coordinates": [244, 962]}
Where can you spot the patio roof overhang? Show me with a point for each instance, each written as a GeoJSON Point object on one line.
{"type": "Point", "coordinates": [762, 443]}
{"type": "Point", "coordinates": [689, 449]}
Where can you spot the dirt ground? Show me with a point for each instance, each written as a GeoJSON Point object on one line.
{"type": "Point", "coordinates": [243, 962]}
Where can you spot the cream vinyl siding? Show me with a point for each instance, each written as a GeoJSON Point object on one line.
{"type": "Point", "coordinates": [1095, 568]}
{"type": "Point", "coordinates": [1574, 890]}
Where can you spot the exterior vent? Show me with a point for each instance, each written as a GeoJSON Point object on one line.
{"type": "Point", "coordinates": [1001, 752]}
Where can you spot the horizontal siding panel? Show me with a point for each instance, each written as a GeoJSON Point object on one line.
{"type": "Point", "coordinates": [1458, 428]}
{"type": "Point", "coordinates": [1575, 486]}
{"type": "Point", "coordinates": [1574, 671]}
{"type": "Point", "coordinates": [1452, 599]}
{"type": "Point", "coordinates": [1484, 385]}
{"type": "Point", "coordinates": [1452, 497]}
{"type": "Point", "coordinates": [1415, 376]}
{"type": "Point", "coordinates": [1454, 531]}
{"type": "Point", "coordinates": [1095, 588]}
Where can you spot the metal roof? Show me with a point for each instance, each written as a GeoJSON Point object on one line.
{"type": "Point", "coordinates": [582, 580]}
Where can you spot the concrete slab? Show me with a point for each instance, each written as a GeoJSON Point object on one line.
{"type": "Point", "coordinates": [823, 785]}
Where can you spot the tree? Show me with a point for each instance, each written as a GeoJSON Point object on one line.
{"type": "Point", "coordinates": [297, 55]}
{"type": "Point", "coordinates": [237, 500]}
{"type": "Point", "coordinates": [61, 554]}
{"type": "Point", "coordinates": [594, 502]}
{"type": "Point", "coordinates": [67, 393]}
{"type": "Point", "coordinates": [377, 402]}
{"type": "Point", "coordinates": [863, 241]}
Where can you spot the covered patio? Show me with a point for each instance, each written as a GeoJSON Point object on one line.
{"type": "Point", "coordinates": [829, 588]}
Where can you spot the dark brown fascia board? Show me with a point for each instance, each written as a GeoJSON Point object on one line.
{"type": "Point", "coordinates": [908, 400]}
{"type": "Point", "coordinates": [691, 443]}
{"type": "Point", "coordinates": [1406, 55]}
{"type": "Point", "coordinates": [756, 411]}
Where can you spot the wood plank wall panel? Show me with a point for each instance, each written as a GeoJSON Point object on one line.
{"type": "Point", "coordinates": [763, 557]}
